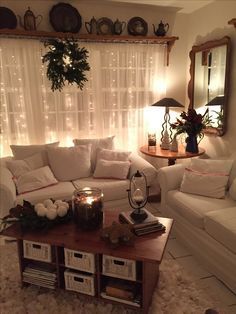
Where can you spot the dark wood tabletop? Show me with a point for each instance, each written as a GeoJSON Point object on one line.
{"type": "Point", "coordinates": [148, 248]}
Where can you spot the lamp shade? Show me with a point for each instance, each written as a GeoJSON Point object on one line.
{"type": "Point", "coordinates": [167, 102]}
{"type": "Point", "coordinates": [217, 101]}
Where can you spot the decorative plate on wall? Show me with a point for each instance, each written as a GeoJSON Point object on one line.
{"type": "Point", "coordinates": [7, 18]}
{"type": "Point", "coordinates": [104, 26]}
{"type": "Point", "coordinates": [65, 18]}
{"type": "Point", "coordinates": [137, 26]}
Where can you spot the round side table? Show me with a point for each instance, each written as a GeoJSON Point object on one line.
{"type": "Point", "coordinates": [156, 151]}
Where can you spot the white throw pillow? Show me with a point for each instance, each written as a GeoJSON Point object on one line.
{"type": "Point", "coordinates": [211, 165]}
{"type": "Point", "coordinates": [24, 151]}
{"type": "Point", "coordinates": [35, 179]}
{"type": "Point", "coordinates": [108, 154]}
{"type": "Point", "coordinates": [107, 142]}
{"type": "Point", "coordinates": [232, 190]}
{"type": "Point", "coordinates": [20, 167]}
{"type": "Point", "coordinates": [70, 163]}
{"type": "Point", "coordinates": [112, 169]}
{"type": "Point", "coordinates": [205, 184]}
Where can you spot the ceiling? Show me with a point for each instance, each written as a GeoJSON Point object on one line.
{"type": "Point", "coordinates": [182, 6]}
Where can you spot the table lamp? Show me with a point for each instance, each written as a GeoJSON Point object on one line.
{"type": "Point", "coordinates": [166, 133]}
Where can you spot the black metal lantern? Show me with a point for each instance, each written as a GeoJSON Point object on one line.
{"type": "Point", "coordinates": [138, 195]}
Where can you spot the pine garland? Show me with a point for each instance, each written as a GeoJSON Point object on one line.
{"type": "Point", "coordinates": [66, 62]}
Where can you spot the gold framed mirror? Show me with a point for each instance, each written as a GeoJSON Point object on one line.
{"type": "Point", "coordinates": [209, 82]}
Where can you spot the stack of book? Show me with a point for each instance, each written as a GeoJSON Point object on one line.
{"type": "Point", "coordinates": [39, 275]}
{"type": "Point", "coordinates": [148, 225]}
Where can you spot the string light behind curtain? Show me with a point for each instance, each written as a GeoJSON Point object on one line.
{"type": "Point", "coordinates": [121, 83]}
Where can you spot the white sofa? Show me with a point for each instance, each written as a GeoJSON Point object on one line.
{"type": "Point", "coordinates": [206, 225]}
{"type": "Point", "coordinates": [115, 191]}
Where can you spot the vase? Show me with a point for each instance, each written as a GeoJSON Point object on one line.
{"type": "Point", "coordinates": [191, 144]}
{"type": "Point", "coordinates": [174, 145]}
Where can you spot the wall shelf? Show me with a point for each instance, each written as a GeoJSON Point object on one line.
{"type": "Point", "coordinates": [18, 33]}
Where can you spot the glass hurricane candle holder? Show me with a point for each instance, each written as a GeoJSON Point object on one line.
{"type": "Point", "coordinates": [88, 205]}
{"type": "Point", "coordinates": [151, 139]}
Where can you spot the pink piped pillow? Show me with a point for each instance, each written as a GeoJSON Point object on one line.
{"type": "Point", "coordinates": [204, 183]}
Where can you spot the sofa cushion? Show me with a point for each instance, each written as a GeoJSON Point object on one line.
{"type": "Point", "coordinates": [221, 225]}
{"type": "Point", "coordinates": [35, 179]}
{"type": "Point", "coordinates": [109, 154]}
{"type": "Point", "coordinates": [62, 190]}
{"type": "Point", "coordinates": [20, 167]}
{"type": "Point", "coordinates": [205, 184]}
{"type": "Point", "coordinates": [111, 169]}
{"type": "Point", "coordinates": [111, 188]}
{"type": "Point", "coordinates": [70, 163]}
{"type": "Point", "coordinates": [194, 207]}
{"type": "Point", "coordinates": [107, 142]}
{"type": "Point", "coordinates": [211, 165]}
{"type": "Point", "coordinates": [24, 151]}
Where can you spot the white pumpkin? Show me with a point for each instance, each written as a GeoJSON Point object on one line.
{"type": "Point", "coordinates": [47, 203]}
{"type": "Point", "coordinates": [58, 202]}
{"type": "Point", "coordinates": [38, 206]}
{"type": "Point", "coordinates": [51, 214]}
{"type": "Point", "coordinates": [62, 211]}
{"type": "Point", "coordinates": [42, 211]}
{"type": "Point", "coordinates": [65, 204]}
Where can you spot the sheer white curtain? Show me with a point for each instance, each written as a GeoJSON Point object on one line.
{"type": "Point", "coordinates": [124, 80]}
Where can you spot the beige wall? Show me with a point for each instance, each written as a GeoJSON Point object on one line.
{"type": "Point", "coordinates": [205, 24]}
{"type": "Point", "coordinates": [210, 23]}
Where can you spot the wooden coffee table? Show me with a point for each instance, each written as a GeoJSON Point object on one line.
{"type": "Point", "coordinates": [146, 254]}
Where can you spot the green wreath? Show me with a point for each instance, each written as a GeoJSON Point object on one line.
{"type": "Point", "coordinates": [66, 62]}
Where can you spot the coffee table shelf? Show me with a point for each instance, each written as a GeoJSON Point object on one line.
{"type": "Point", "coordinates": [143, 258]}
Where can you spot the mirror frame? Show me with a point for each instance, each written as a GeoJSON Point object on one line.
{"type": "Point", "coordinates": [206, 47]}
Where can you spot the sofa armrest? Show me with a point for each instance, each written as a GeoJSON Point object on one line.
{"type": "Point", "coordinates": [139, 163]}
{"type": "Point", "coordinates": [7, 191]}
{"type": "Point", "coordinates": [169, 178]}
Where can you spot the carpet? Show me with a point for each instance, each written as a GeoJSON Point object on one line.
{"type": "Point", "coordinates": [176, 293]}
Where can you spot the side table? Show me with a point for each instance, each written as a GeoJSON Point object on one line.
{"type": "Point", "coordinates": [156, 151]}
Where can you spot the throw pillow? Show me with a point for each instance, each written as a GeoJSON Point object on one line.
{"type": "Point", "coordinates": [211, 165]}
{"type": "Point", "coordinates": [35, 179]}
{"type": "Point", "coordinates": [111, 169]}
{"type": "Point", "coordinates": [205, 184]}
{"type": "Point", "coordinates": [70, 163]}
{"type": "Point", "coordinates": [107, 142]}
{"type": "Point", "coordinates": [24, 151]}
{"type": "Point", "coordinates": [19, 167]}
{"type": "Point", "coordinates": [108, 154]}
{"type": "Point", "coordinates": [232, 190]}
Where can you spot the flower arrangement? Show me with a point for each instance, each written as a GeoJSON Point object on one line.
{"type": "Point", "coordinates": [39, 217]}
{"type": "Point", "coordinates": [191, 123]}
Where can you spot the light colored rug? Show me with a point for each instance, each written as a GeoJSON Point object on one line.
{"type": "Point", "coordinates": [175, 294]}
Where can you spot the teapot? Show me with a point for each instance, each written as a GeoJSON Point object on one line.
{"type": "Point", "coordinates": [161, 30]}
{"type": "Point", "coordinates": [91, 26]}
{"type": "Point", "coordinates": [118, 27]}
{"type": "Point", "coordinates": [30, 20]}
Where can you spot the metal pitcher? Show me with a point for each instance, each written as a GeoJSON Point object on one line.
{"type": "Point", "coordinates": [161, 30]}
{"type": "Point", "coordinates": [118, 27]}
{"type": "Point", "coordinates": [30, 20]}
{"type": "Point", "coordinates": [91, 26]}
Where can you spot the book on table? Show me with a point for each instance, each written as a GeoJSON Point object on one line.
{"type": "Point", "coordinates": [148, 225]}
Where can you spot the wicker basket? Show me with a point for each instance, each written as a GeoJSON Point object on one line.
{"type": "Point", "coordinates": [79, 282]}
